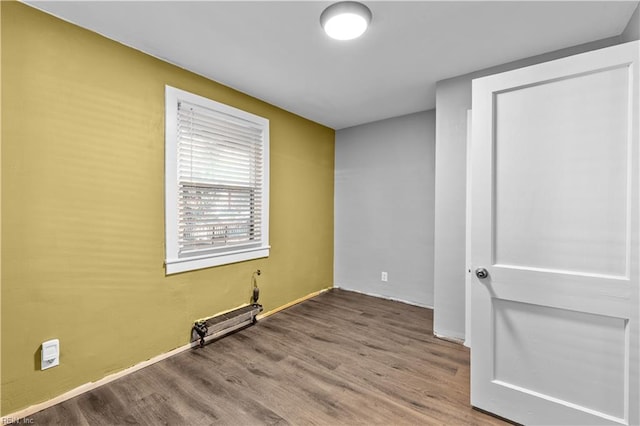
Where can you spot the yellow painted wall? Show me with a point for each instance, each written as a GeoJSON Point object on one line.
{"type": "Point", "coordinates": [82, 208]}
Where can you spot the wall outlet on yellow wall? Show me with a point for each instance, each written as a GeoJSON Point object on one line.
{"type": "Point", "coordinates": [50, 353]}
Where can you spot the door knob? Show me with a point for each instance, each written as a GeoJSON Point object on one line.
{"type": "Point", "coordinates": [482, 273]}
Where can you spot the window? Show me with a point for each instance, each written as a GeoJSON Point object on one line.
{"type": "Point", "coordinates": [216, 183]}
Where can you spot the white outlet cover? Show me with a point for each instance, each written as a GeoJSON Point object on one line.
{"type": "Point", "coordinates": [50, 354]}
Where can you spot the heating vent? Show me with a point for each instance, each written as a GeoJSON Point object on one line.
{"type": "Point", "coordinates": [221, 325]}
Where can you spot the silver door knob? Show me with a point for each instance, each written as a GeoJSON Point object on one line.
{"type": "Point", "coordinates": [482, 273]}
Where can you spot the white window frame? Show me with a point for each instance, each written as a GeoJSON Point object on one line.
{"type": "Point", "coordinates": [174, 262]}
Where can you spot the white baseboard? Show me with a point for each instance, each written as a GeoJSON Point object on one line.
{"type": "Point", "coordinates": [449, 337]}
{"type": "Point", "coordinates": [421, 305]}
{"type": "Point", "coordinates": [14, 417]}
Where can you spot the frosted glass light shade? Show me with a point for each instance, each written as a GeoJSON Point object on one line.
{"type": "Point", "coordinates": [345, 20]}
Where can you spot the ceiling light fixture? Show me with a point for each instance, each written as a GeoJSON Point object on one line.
{"type": "Point", "coordinates": [345, 20]}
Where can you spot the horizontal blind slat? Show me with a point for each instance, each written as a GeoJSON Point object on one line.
{"type": "Point", "coordinates": [198, 124]}
{"type": "Point", "coordinates": [209, 114]}
{"type": "Point", "coordinates": [189, 134]}
{"type": "Point", "coordinates": [206, 164]}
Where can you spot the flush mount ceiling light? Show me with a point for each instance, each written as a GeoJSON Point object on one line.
{"type": "Point", "coordinates": [345, 20]}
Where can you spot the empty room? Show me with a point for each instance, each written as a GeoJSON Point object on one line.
{"type": "Point", "coordinates": [320, 213]}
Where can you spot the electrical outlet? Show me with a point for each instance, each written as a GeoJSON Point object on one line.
{"type": "Point", "coordinates": [50, 354]}
{"type": "Point", "coordinates": [384, 277]}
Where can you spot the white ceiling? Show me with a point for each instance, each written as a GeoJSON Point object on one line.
{"type": "Point", "coordinates": [277, 51]}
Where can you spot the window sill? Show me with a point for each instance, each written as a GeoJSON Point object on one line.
{"type": "Point", "coordinates": [174, 266]}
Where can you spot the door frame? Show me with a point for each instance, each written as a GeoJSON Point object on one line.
{"type": "Point", "coordinates": [467, 270]}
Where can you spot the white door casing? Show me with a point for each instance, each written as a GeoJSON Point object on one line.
{"type": "Point", "coordinates": [556, 223]}
{"type": "Point", "coordinates": [468, 281]}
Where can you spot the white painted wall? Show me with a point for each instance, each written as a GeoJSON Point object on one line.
{"type": "Point", "coordinates": [632, 31]}
{"type": "Point", "coordinates": [384, 208]}
{"type": "Point", "coordinates": [453, 98]}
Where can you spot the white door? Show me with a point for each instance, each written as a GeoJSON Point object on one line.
{"type": "Point", "coordinates": [555, 162]}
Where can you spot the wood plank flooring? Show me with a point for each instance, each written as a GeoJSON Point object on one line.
{"type": "Point", "coordinates": [341, 358]}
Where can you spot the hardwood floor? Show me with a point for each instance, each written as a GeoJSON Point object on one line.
{"type": "Point", "coordinates": [341, 358]}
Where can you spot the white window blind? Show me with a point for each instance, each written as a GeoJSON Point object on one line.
{"type": "Point", "coordinates": [220, 180]}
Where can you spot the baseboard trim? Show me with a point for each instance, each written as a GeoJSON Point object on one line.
{"type": "Point", "coordinates": [294, 302]}
{"type": "Point", "coordinates": [16, 416]}
{"type": "Point", "coordinates": [457, 340]}
{"type": "Point", "coordinates": [395, 299]}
